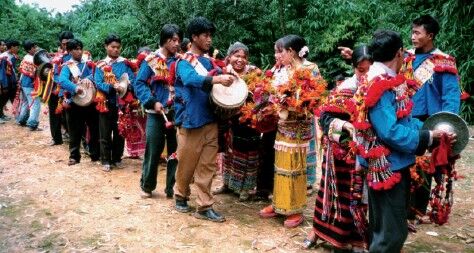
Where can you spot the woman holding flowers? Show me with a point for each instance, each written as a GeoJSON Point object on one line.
{"type": "Point", "coordinates": [296, 100]}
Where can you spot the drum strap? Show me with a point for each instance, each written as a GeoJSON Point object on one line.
{"type": "Point", "coordinates": [197, 65]}
{"type": "Point", "coordinates": [75, 71]}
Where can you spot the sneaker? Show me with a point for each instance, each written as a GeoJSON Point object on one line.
{"type": "Point", "coordinates": [6, 118]}
{"type": "Point", "coordinates": [35, 129]}
{"type": "Point", "coordinates": [145, 194]}
{"type": "Point", "coordinates": [244, 196]}
{"type": "Point", "coordinates": [106, 168]}
{"type": "Point", "coordinates": [209, 215]}
{"type": "Point", "coordinates": [72, 161]}
{"type": "Point", "coordinates": [182, 206]}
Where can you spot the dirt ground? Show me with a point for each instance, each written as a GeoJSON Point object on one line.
{"type": "Point", "coordinates": [47, 206]}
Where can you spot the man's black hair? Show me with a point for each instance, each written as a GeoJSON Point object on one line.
{"type": "Point", "coordinates": [184, 44]}
{"type": "Point", "coordinates": [385, 45]}
{"type": "Point", "coordinates": [12, 43]}
{"type": "Point", "coordinates": [428, 22]}
{"type": "Point", "coordinates": [112, 38]}
{"type": "Point", "coordinates": [200, 25]}
{"type": "Point", "coordinates": [168, 31]}
{"type": "Point", "coordinates": [28, 45]}
{"type": "Point", "coordinates": [74, 44]}
{"type": "Point", "coordinates": [66, 35]}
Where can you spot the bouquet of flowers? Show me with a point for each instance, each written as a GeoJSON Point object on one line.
{"type": "Point", "coordinates": [301, 95]}
{"type": "Point", "coordinates": [260, 109]}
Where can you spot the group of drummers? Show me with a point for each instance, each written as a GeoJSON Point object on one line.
{"type": "Point", "coordinates": [180, 97]}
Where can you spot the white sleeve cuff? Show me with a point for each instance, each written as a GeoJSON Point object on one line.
{"type": "Point", "coordinates": [335, 129]}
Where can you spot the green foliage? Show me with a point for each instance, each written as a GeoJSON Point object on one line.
{"type": "Point", "coordinates": [326, 24]}
{"type": "Point", "coordinates": [26, 22]}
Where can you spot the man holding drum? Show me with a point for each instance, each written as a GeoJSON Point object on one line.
{"type": "Point", "coordinates": [197, 131]}
{"type": "Point", "coordinates": [106, 77]}
{"type": "Point", "coordinates": [154, 89]}
{"type": "Point", "coordinates": [73, 72]}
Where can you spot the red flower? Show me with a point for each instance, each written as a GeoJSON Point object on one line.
{"type": "Point", "coordinates": [465, 95]}
{"type": "Point", "coordinates": [268, 73]}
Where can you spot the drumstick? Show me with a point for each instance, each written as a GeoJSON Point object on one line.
{"type": "Point", "coordinates": [164, 115]}
{"type": "Point", "coordinates": [168, 124]}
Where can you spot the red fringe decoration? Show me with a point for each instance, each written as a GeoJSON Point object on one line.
{"type": "Point", "coordinates": [377, 89]}
{"type": "Point", "coordinates": [448, 69]}
{"type": "Point", "coordinates": [362, 125]}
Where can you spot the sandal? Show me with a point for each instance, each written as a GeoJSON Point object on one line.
{"type": "Point", "coordinates": [293, 220]}
{"type": "Point", "coordinates": [310, 241]}
{"type": "Point", "coordinates": [267, 212]}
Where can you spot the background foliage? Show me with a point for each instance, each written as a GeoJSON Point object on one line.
{"type": "Point", "coordinates": [325, 24]}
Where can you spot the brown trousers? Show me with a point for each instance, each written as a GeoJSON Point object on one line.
{"type": "Point", "coordinates": [197, 151]}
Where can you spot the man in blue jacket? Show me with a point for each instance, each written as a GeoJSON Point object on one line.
{"type": "Point", "coordinates": [106, 77]}
{"type": "Point", "coordinates": [72, 72]}
{"type": "Point", "coordinates": [439, 91]}
{"type": "Point", "coordinates": [31, 106]}
{"type": "Point", "coordinates": [154, 88]}
{"type": "Point", "coordinates": [197, 127]}
{"type": "Point", "coordinates": [57, 117]}
{"type": "Point", "coordinates": [397, 132]}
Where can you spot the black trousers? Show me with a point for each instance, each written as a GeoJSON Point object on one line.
{"type": "Point", "coordinates": [156, 137]}
{"type": "Point", "coordinates": [55, 119]}
{"type": "Point", "coordinates": [388, 228]}
{"type": "Point", "coordinates": [420, 198]}
{"type": "Point", "coordinates": [265, 174]}
{"type": "Point", "coordinates": [6, 94]}
{"type": "Point", "coordinates": [78, 118]}
{"type": "Point", "coordinates": [111, 142]}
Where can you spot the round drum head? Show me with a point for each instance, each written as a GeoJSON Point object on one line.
{"type": "Point", "coordinates": [450, 122]}
{"type": "Point", "coordinates": [232, 96]}
{"type": "Point", "coordinates": [87, 97]}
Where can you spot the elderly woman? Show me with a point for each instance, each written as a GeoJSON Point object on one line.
{"type": "Point", "coordinates": [241, 157]}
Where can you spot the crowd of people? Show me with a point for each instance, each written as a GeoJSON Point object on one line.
{"type": "Point", "coordinates": [363, 138]}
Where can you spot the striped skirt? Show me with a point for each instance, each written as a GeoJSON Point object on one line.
{"type": "Point", "coordinates": [333, 221]}
{"type": "Point", "coordinates": [241, 163]}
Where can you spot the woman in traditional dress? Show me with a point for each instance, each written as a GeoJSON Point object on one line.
{"type": "Point", "coordinates": [241, 158]}
{"type": "Point", "coordinates": [132, 120]}
{"type": "Point", "coordinates": [339, 215]}
{"type": "Point", "coordinates": [279, 75]}
{"type": "Point", "coordinates": [291, 144]}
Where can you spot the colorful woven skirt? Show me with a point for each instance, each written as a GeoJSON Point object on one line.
{"type": "Point", "coordinates": [132, 127]}
{"type": "Point", "coordinates": [242, 160]}
{"type": "Point", "coordinates": [291, 145]}
{"type": "Point", "coordinates": [333, 220]}
{"type": "Point", "coordinates": [311, 156]}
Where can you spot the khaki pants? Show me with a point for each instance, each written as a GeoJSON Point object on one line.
{"type": "Point", "coordinates": [197, 151]}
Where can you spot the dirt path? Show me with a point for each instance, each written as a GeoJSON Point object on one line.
{"type": "Point", "coordinates": [46, 206]}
